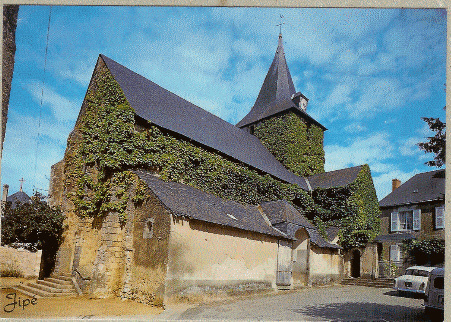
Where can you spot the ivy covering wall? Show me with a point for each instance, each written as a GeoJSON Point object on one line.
{"type": "Point", "coordinates": [354, 208]}
{"type": "Point", "coordinates": [298, 146]}
{"type": "Point", "coordinates": [107, 142]}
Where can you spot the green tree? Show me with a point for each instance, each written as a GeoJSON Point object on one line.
{"type": "Point", "coordinates": [435, 144]}
{"type": "Point", "coordinates": [37, 225]}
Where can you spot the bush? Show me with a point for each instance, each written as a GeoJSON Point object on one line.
{"type": "Point", "coordinates": [427, 251]}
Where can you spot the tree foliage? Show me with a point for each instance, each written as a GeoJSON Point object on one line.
{"type": "Point", "coordinates": [435, 144]}
{"type": "Point", "coordinates": [34, 225]}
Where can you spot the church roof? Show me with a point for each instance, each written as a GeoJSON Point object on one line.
{"type": "Point", "coordinates": [18, 197]}
{"type": "Point", "coordinates": [276, 93]}
{"type": "Point", "coordinates": [337, 178]}
{"type": "Point", "coordinates": [183, 200]}
{"type": "Point", "coordinates": [423, 187]}
{"type": "Point", "coordinates": [282, 211]}
{"type": "Point", "coordinates": [169, 111]}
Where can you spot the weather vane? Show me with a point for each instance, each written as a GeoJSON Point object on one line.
{"type": "Point", "coordinates": [280, 24]}
{"type": "Point", "coordinates": [21, 183]}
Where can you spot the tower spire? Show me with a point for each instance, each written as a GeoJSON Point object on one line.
{"type": "Point", "coordinates": [276, 91]}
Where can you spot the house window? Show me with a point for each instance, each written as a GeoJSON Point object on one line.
{"type": "Point", "coordinates": [406, 220]}
{"type": "Point", "coordinates": [439, 217]}
{"type": "Point", "coordinates": [395, 253]}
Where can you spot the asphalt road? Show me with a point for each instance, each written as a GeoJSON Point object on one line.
{"type": "Point", "coordinates": [332, 303]}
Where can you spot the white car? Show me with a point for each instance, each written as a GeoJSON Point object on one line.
{"type": "Point", "coordinates": [433, 299]}
{"type": "Point", "coordinates": [414, 280]}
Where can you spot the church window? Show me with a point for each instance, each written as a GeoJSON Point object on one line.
{"type": "Point", "coordinates": [148, 228]}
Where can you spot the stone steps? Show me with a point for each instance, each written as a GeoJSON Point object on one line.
{"type": "Point", "coordinates": [49, 287]}
{"type": "Point", "coordinates": [380, 282]}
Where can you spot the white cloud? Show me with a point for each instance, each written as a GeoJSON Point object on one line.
{"type": "Point", "coordinates": [355, 128]}
{"type": "Point", "coordinates": [383, 182]}
{"type": "Point", "coordinates": [379, 95]}
{"type": "Point", "coordinates": [374, 148]}
{"type": "Point", "coordinates": [409, 147]}
{"type": "Point", "coordinates": [62, 108]}
{"type": "Point", "coordinates": [24, 157]}
{"type": "Point", "coordinates": [335, 103]}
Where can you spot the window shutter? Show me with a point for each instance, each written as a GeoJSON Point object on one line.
{"type": "Point", "coordinates": [394, 221]}
{"type": "Point", "coordinates": [439, 217]}
{"type": "Point", "coordinates": [416, 219]}
{"type": "Point", "coordinates": [394, 253]}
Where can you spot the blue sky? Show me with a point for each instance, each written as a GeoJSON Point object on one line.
{"type": "Point", "coordinates": [370, 75]}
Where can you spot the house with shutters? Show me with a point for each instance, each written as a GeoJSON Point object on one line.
{"type": "Point", "coordinates": [164, 199]}
{"type": "Point", "coordinates": [413, 210]}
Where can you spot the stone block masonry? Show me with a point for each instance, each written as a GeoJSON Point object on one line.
{"type": "Point", "coordinates": [22, 261]}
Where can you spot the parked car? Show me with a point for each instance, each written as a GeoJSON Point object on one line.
{"type": "Point", "coordinates": [433, 299]}
{"type": "Point", "coordinates": [414, 280]}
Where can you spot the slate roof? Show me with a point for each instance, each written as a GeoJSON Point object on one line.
{"type": "Point", "coordinates": [19, 196]}
{"type": "Point", "coordinates": [169, 111]}
{"type": "Point", "coordinates": [317, 239]}
{"type": "Point", "coordinates": [183, 200]}
{"type": "Point", "coordinates": [276, 93]}
{"type": "Point", "coordinates": [427, 186]}
{"type": "Point", "coordinates": [337, 178]}
{"type": "Point", "coordinates": [332, 232]}
{"type": "Point", "coordinates": [281, 211]}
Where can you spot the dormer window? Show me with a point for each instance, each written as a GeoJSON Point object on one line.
{"type": "Point", "coordinates": [300, 100]}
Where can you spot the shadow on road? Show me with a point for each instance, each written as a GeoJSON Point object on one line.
{"type": "Point", "coordinates": [362, 311]}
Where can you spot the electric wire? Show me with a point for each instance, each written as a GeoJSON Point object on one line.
{"type": "Point", "coordinates": [42, 97]}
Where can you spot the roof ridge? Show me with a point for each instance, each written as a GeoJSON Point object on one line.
{"type": "Point", "coordinates": [165, 109]}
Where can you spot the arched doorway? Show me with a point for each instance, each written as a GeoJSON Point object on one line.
{"type": "Point", "coordinates": [355, 263]}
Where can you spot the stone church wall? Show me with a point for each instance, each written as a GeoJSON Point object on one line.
{"type": "Point", "coordinates": [212, 260]}
{"type": "Point", "coordinates": [326, 265]}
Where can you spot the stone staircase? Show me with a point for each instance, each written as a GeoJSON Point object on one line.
{"type": "Point", "coordinates": [61, 285]}
{"type": "Point", "coordinates": [378, 282]}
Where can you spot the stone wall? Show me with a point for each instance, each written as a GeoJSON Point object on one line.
{"type": "Point", "coordinates": [369, 267]}
{"type": "Point", "coordinates": [10, 13]}
{"type": "Point", "coordinates": [146, 252]}
{"type": "Point", "coordinates": [26, 263]}
{"type": "Point", "coordinates": [326, 265]}
{"type": "Point", "coordinates": [212, 260]}
{"type": "Point", "coordinates": [56, 186]}
{"type": "Point", "coordinates": [300, 267]}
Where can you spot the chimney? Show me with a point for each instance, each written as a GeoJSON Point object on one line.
{"type": "Point", "coordinates": [395, 183]}
{"type": "Point", "coordinates": [5, 192]}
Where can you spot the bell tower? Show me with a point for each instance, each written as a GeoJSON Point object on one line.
{"type": "Point", "coordinates": [279, 119]}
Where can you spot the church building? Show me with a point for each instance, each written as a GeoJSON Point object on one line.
{"type": "Point", "coordinates": [165, 201]}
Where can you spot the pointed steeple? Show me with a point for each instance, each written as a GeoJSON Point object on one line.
{"type": "Point", "coordinates": [276, 91]}
{"type": "Point", "coordinates": [278, 84]}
